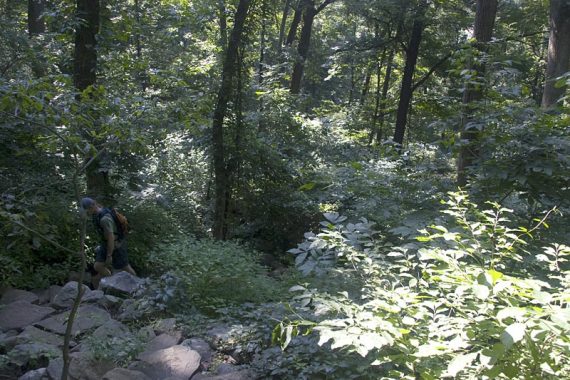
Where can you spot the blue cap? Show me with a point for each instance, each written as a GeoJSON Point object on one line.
{"type": "Point", "coordinates": [86, 203]}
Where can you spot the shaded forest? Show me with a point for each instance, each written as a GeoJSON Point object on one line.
{"type": "Point", "coordinates": [379, 189]}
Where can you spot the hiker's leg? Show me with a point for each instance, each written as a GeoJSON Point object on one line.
{"type": "Point", "coordinates": [129, 269]}
{"type": "Point", "coordinates": [99, 266]}
{"type": "Point", "coordinates": [102, 271]}
{"type": "Point", "coordinates": [121, 259]}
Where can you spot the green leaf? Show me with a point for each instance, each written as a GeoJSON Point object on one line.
{"type": "Point", "coordinates": [459, 363]}
{"type": "Point", "coordinates": [513, 334]}
{"type": "Point", "coordinates": [308, 186]}
{"type": "Point", "coordinates": [481, 291]}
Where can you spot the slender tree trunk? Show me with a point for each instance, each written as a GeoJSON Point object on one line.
{"type": "Point", "coordinates": [483, 31]}
{"type": "Point", "coordinates": [260, 73]}
{"type": "Point", "coordinates": [295, 24]}
{"type": "Point", "coordinates": [141, 74]}
{"type": "Point", "coordinates": [366, 84]}
{"type": "Point", "coordinates": [309, 14]}
{"type": "Point", "coordinates": [411, 59]}
{"type": "Point", "coordinates": [283, 24]}
{"type": "Point", "coordinates": [85, 75]}
{"type": "Point", "coordinates": [85, 58]}
{"type": "Point", "coordinates": [228, 72]}
{"type": "Point", "coordinates": [558, 51]}
{"type": "Point", "coordinates": [36, 24]}
{"type": "Point", "coordinates": [223, 24]}
{"type": "Point", "coordinates": [384, 97]}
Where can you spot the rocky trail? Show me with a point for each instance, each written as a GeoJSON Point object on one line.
{"type": "Point", "coordinates": [33, 324]}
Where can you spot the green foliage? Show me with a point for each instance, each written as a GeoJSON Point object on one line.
{"type": "Point", "coordinates": [120, 350]}
{"type": "Point", "coordinates": [213, 274]}
{"type": "Point", "coordinates": [454, 304]}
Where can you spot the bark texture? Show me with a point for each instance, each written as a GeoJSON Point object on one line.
{"type": "Point", "coordinates": [483, 31]}
{"type": "Point", "coordinates": [224, 93]}
{"type": "Point", "coordinates": [558, 51]}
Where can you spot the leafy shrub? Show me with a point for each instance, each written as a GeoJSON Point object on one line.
{"type": "Point", "coordinates": [453, 304]}
{"type": "Point", "coordinates": [213, 274]}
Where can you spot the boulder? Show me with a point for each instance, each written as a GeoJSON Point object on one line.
{"type": "Point", "coordinates": [24, 353]}
{"type": "Point", "coordinates": [125, 374]}
{"type": "Point", "coordinates": [20, 314]}
{"type": "Point", "coordinates": [33, 334]}
{"type": "Point", "coordinates": [88, 317]}
{"type": "Point", "coordinates": [176, 361]}
{"type": "Point", "coordinates": [201, 346]}
{"type": "Point", "coordinates": [160, 342]}
{"type": "Point", "coordinates": [146, 333]}
{"type": "Point", "coordinates": [82, 367]}
{"type": "Point", "coordinates": [120, 283]}
{"type": "Point", "coordinates": [165, 326]}
{"type": "Point", "coordinates": [66, 296]}
{"type": "Point", "coordinates": [13, 295]}
{"type": "Point", "coordinates": [36, 374]}
{"type": "Point", "coordinates": [47, 295]}
{"type": "Point", "coordinates": [223, 336]}
{"type": "Point", "coordinates": [111, 329]}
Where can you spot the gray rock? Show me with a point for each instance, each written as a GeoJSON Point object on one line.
{"type": "Point", "coordinates": [176, 361]}
{"type": "Point", "coordinates": [125, 374]}
{"type": "Point", "coordinates": [165, 326]}
{"type": "Point", "coordinates": [33, 334]}
{"type": "Point", "coordinates": [47, 295]}
{"type": "Point", "coordinates": [224, 335]}
{"type": "Point", "coordinates": [84, 368]}
{"type": "Point", "coordinates": [54, 369]}
{"type": "Point", "coordinates": [110, 302]}
{"type": "Point", "coordinates": [88, 317]}
{"type": "Point", "coordinates": [111, 329]}
{"type": "Point", "coordinates": [120, 283]}
{"type": "Point", "coordinates": [20, 314]}
{"type": "Point", "coordinates": [146, 333]}
{"type": "Point", "coordinates": [129, 311]}
{"type": "Point", "coordinates": [66, 296]}
{"type": "Point", "coordinates": [37, 374]}
{"type": "Point", "coordinates": [160, 342]}
{"type": "Point", "coordinates": [201, 346]}
{"type": "Point", "coordinates": [12, 295]}
{"type": "Point", "coordinates": [22, 354]}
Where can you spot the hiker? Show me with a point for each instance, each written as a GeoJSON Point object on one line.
{"type": "Point", "coordinates": [113, 247]}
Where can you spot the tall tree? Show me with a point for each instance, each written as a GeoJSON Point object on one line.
{"type": "Point", "coordinates": [483, 31]}
{"type": "Point", "coordinates": [36, 24]}
{"type": "Point", "coordinates": [558, 51]}
{"type": "Point", "coordinates": [294, 23]}
{"type": "Point", "coordinates": [85, 75]}
{"type": "Point", "coordinates": [283, 24]}
{"type": "Point", "coordinates": [224, 93]}
{"type": "Point", "coordinates": [309, 13]}
{"type": "Point", "coordinates": [406, 90]}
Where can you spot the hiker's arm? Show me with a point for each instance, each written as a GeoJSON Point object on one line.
{"type": "Point", "coordinates": [109, 237]}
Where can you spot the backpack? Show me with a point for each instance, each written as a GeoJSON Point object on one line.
{"type": "Point", "coordinates": [120, 221]}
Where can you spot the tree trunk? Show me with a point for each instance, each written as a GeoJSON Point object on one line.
{"type": "Point", "coordinates": [228, 72]}
{"type": "Point", "coordinates": [283, 24]}
{"type": "Point", "coordinates": [411, 59]}
{"type": "Point", "coordinates": [558, 51]}
{"type": "Point", "coordinates": [294, 23]}
{"type": "Point", "coordinates": [384, 96]}
{"type": "Point", "coordinates": [309, 14]}
{"type": "Point", "coordinates": [141, 74]}
{"type": "Point", "coordinates": [366, 84]}
{"type": "Point", "coordinates": [483, 31]}
{"type": "Point", "coordinates": [85, 75]}
{"type": "Point", "coordinates": [85, 58]}
{"type": "Point", "coordinates": [36, 24]}
{"type": "Point", "coordinates": [223, 25]}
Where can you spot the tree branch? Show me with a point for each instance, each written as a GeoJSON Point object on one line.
{"type": "Point", "coordinates": [323, 5]}
{"type": "Point", "coordinates": [431, 71]}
